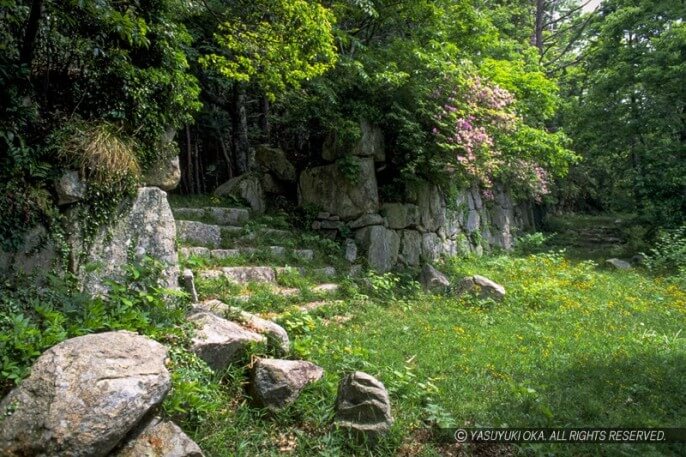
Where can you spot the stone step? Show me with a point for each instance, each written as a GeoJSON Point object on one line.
{"type": "Point", "coordinates": [241, 275]}
{"type": "Point", "coordinates": [265, 232]}
{"type": "Point", "coordinates": [315, 305]}
{"type": "Point", "coordinates": [326, 272]}
{"type": "Point", "coordinates": [321, 289]}
{"type": "Point", "coordinates": [329, 288]}
{"type": "Point", "coordinates": [273, 251]}
{"type": "Point", "coordinates": [196, 233]}
{"type": "Point", "coordinates": [213, 214]}
{"type": "Point", "coordinates": [202, 234]}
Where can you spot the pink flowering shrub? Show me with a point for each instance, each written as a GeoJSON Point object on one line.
{"type": "Point", "coordinates": [469, 122]}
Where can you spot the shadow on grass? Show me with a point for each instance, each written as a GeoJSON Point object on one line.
{"type": "Point", "coordinates": [638, 390]}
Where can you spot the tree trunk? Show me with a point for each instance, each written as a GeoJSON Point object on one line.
{"type": "Point", "coordinates": [189, 162]}
{"type": "Point", "coordinates": [240, 119]}
{"type": "Point", "coordinates": [225, 153]}
{"type": "Point", "coordinates": [537, 38]}
{"type": "Point", "coordinates": [196, 167]}
{"type": "Point", "coordinates": [266, 126]}
{"type": "Point", "coordinates": [32, 23]}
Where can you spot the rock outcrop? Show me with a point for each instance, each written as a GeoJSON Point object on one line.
{"type": "Point", "coordinates": [146, 229]}
{"type": "Point", "coordinates": [248, 187]}
{"type": "Point", "coordinates": [84, 395]}
{"type": "Point", "coordinates": [363, 407]}
{"type": "Point", "coordinates": [158, 438]}
{"type": "Point", "coordinates": [218, 341]}
{"type": "Point", "coordinates": [328, 188]}
{"type": "Point", "coordinates": [482, 286]}
{"type": "Point", "coordinates": [274, 160]}
{"type": "Point", "coordinates": [277, 383]}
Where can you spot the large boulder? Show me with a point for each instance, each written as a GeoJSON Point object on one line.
{"type": "Point", "coordinates": [278, 383]}
{"type": "Point", "coordinates": [146, 229]}
{"type": "Point", "coordinates": [433, 280]}
{"type": "Point", "coordinates": [381, 245]}
{"type": "Point", "coordinates": [411, 247]}
{"type": "Point", "coordinates": [248, 187]}
{"type": "Point", "coordinates": [253, 322]}
{"type": "Point", "coordinates": [370, 144]}
{"type": "Point", "coordinates": [431, 206]}
{"type": "Point", "coordinates": [481, 286]}
{"type": "Point", "coordinates": [164, 173]}
{"type": "Point", "coordinates": [220, 342]}
{"type": "Point", "coordinates": [329, 189]}
{"type": "Point", "coordinates": [400, 215]}
{"type": "Point", "coordinates": [158, 438]}
{"type": "Point", "coordinates": [275, 161]}
{"type": "Point", "coordinates": [83, 396]}
{"type": "Point", "coordinates": [363, 407]}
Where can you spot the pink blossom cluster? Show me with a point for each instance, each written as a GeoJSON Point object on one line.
{"type": "Point", "coordinates": [532, 176]}
{"type": "Point", "coordinates": [465, 122]}
{"type": "Point", "coordinates": [487, 95]}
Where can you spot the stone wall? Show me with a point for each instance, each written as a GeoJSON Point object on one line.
{"type": "Point", "coordinates": [144, 227]}
{"type": "Point", "coordinates": [420, 227]}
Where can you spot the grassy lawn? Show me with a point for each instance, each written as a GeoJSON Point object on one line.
{"type": "Point", "coordinates": [572, 345]}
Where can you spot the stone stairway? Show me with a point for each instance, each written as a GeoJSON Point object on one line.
{"type": "Point", "coordinates": [227, 250]}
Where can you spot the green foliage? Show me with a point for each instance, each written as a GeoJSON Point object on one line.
{"type": "Point", "coordinates": [195, 393]}
{"type": "Point", "coordinates": [625, 110]}
{"type": "Point", "coordinates": [98, 151]}
{"type": "Point", "coordinates": [668, 254]}
{"type": "Point", "coordinates": [349, 167]}
{"type": "Point", "coordinates": [276, 44]}
{"type": "Point", "coordinates": [33, 319]}
{"type": "Point", "coordinates": [407, 81]}
{"type": "Point", "coordinates": [531, 242]}
{"type": "Point", "coordinates": [22, 207]}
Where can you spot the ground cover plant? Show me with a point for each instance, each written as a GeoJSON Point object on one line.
{"type": "Point", "coordinates": [572, 345]}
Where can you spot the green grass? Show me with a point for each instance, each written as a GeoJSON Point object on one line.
{"type": "Point", "coordinates": [263, 298]}
{"type": "Point", "coordinates": [571, 345]}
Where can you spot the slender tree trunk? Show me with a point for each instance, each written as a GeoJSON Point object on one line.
{"type": "Point", "coordinates": [537, 38]}
{"type": "Point", "coordinates": [197, 169]}
{"type": "Point", "coordinates": [189, 162]}
{"type": "Point", "coordinates": [266, 126]}
{"type": "Point", "coordinates": [225, 152]}
{"type": "Point", "coordinates": [242, 144]}
{"type": "Point", "coordinates": [32, 23]}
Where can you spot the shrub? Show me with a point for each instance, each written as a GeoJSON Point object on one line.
{"type": "Point", "coordinates": [531, 242]}
{"type": "Point", "coordinates": [33, 319]}
{"type": "Point", "coordinates": [100, 152]}
{"type": "Point", "coordinates": [669, 254]}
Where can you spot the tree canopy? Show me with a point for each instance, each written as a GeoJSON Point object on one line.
{"type": "Point", "coordinates": [469, 92]}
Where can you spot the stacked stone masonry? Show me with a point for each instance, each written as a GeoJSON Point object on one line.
{"type": "Point", "coordinates": [421, 227]}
